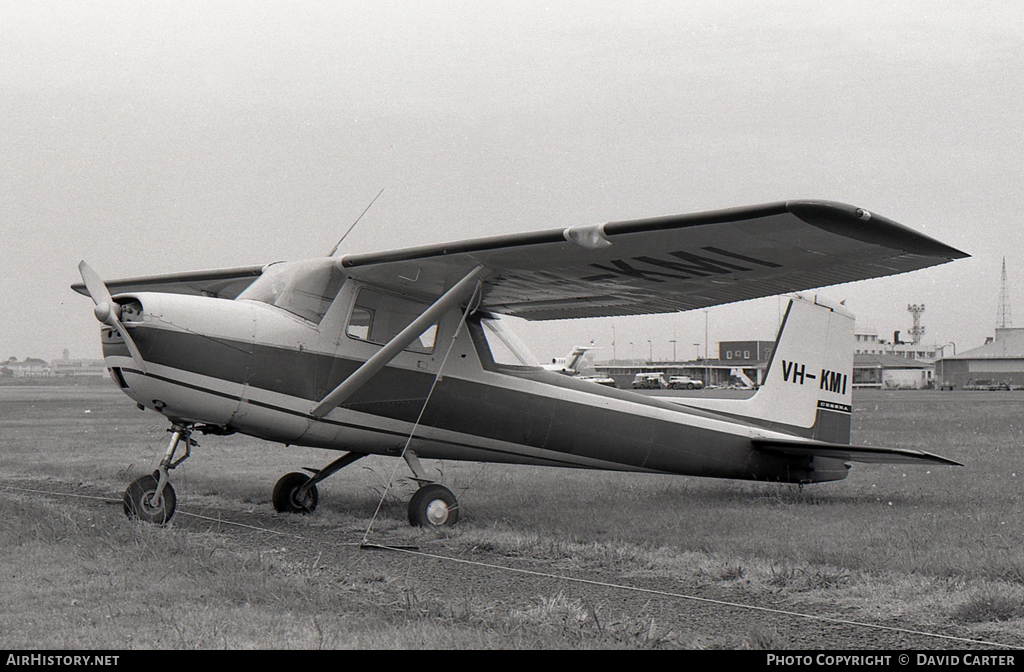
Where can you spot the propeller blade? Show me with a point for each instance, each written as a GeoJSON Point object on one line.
{"type": "Point", "coordinates": [98, 291]}
{"type": "Point", "coordinates": [107, 311]}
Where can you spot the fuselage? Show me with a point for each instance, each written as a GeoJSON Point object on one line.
{"type": "Point", "coordinates": [250, 366]}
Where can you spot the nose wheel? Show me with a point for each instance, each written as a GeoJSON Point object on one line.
{"type": "Point", "coordinates": [143, 500]}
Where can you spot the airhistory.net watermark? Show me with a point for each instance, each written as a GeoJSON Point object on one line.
{"type": "Point", "coordinates": [59, 660]}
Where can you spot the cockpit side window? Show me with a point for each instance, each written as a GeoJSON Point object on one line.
{"type": "Point", "coordinates": [378, 317]}
{"type": "Point", "coordinates": [303, 288]}
{"type": "Point", "coordinates": [497, 345]}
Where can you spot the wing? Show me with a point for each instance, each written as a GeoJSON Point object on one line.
{"type": "Point", "coordinates": [666, 264]}
{"type": "Point", "coordinates": [852, 453]}
{"type": "Point", "coordinates": [659, 265]}
{"type": "Point", "coordinates": [225, 283]}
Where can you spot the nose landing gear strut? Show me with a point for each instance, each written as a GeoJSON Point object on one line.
{"type": "Point", "coordinates": [151, 498]}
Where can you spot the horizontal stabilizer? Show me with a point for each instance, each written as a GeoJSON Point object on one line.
{"type": "Point", "coordinates": [849, 453]}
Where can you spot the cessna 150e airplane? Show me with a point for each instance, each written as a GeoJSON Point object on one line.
{"type": "Point", "coordinates": [404, 352]}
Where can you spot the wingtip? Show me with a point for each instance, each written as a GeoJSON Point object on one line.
{"type": "Point", "coordinates": [866, 226]}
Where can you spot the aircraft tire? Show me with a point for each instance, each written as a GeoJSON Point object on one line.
{"type": "Point", "coordinates": [137, 501]}
{"type": "Point", "coordinates": [286, 492]}
{"type": "Point", "coordinates": [433, 505]}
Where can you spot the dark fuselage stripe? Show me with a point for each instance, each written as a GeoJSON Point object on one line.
{"type": "Point", "coordinates": [348, 425]}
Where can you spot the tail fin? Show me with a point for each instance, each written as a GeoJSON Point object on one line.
{"type": "Point", "coordinates": [809, 381]}
{"type": "Point", "coordinates": [575, 356]}
{"type": "Point", "coordinates": [570, 363]}
{"type": "Point", "coordinates": [807, 394]}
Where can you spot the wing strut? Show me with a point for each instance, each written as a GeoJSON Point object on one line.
{"type": "Point", "coordinates": [461, 291]}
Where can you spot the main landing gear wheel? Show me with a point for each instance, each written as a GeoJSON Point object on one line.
{"type": "Point", "coordinates": [433, 505]}
{"type": "Point", "coordinates": [139, 503]}
{"type": "Point", "coordinates": [286, 494]}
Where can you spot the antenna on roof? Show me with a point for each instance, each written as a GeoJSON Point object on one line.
{"type": "Point", "coordinates": [338, 244]}
{"type": "Point", "coordinates": [1004, 319]}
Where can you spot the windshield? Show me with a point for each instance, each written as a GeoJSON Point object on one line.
{"type": "Point", "coordinates": [304, 288]}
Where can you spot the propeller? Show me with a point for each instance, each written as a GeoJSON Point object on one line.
{"type": "Point", "coordinates": [107, 311]}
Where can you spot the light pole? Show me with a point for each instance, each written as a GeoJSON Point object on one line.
{"type": "Point", "coordinates": [651, 346]}
{"type": "Point", "coordinates": [940, 366]}
{"type": "Point", "coordinates": [673, 342]}
{"type": "Point", "coordinates": [707, 374]}
{"type": "Point", "coordinates": [705, 335]}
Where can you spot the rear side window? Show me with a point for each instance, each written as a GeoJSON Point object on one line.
{"type": "Point", "coordinates": [378, 317]}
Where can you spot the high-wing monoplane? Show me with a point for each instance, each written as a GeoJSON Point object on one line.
{"type": "Point", "coordinates": [405, 352]}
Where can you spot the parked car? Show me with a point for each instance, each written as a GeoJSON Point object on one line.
{"type": "Point", "coordinates": [685, 383]}
{"type": "Point", "coordinates": [649, 381]}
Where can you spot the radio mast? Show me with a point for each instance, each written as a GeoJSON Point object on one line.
{"type": "Point", "coordinates": [917, 331]}
{"type": "Point", "coordinates": [1004, 319]}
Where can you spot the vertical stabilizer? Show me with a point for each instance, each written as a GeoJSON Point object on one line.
{"type": "Point", "coordinates": [809, 381]}
{"type": "Point", "coordinates": [572, 361]}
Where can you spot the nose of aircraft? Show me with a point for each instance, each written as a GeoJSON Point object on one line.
{"type": "Point", "coordinates": [107, 310]}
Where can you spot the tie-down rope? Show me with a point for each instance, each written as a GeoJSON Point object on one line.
{"type": "Point", "coordinates": [471, 306]}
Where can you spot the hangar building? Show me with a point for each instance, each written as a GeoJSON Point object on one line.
{"type": "Point", "coordinates": [998, 363]}
{"type": "Point", "coordinates": [886, 371]}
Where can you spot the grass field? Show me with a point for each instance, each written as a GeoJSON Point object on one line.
{"type": "Point", "coordinates": [927, 547]}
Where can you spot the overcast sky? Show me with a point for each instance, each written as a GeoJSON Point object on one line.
{"type": "Point", "coordinates": [154, 137]}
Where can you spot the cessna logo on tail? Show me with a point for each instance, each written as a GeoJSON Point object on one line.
{"type": "Point", "coordinates": [830, 381]}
